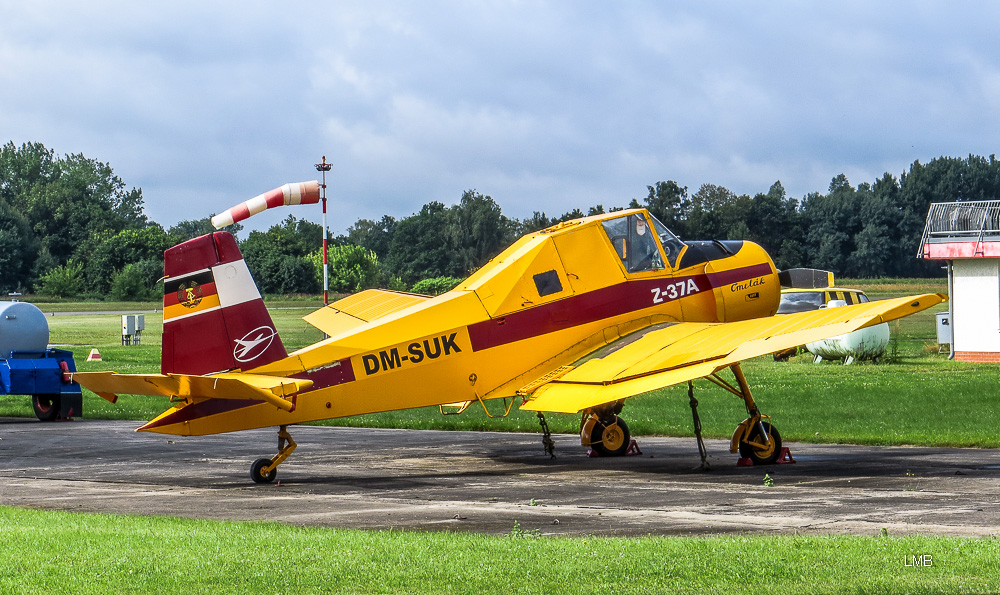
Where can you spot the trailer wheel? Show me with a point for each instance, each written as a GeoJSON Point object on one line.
{"type": "Point", "coordinates": [46, 406]}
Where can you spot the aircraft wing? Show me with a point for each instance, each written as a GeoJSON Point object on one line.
{"type": "Point", "coordinates": [663, 355]}
{"type": "Point", "coordinates": [233, 385]}
{"type": "Point", "coordinates": [355, 310]}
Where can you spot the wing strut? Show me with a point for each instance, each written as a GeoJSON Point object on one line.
{"type": "Point", "coordinates": [697, 427]}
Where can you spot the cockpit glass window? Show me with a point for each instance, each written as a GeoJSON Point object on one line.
{"type": "Point", "coordinates": [634, 243]}
{"type": "Point", "coordinates": [672, 245]}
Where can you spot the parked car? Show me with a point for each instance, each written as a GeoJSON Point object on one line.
{"type": "Point", "coordinates": [804, 300]}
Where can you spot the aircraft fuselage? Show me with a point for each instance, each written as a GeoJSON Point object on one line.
{"type": "Point", "coordinates": [549, 300]}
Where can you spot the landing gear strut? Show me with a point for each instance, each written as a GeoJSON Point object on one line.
{"type": "Point", "coordinates": [266, 470]}
{"type": "Point", "coordinates": [754, 438]}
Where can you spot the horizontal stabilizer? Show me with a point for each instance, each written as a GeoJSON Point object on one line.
{"type": "Point", "coordinates": [233, 385]}
{"type": "Point", "coordinates": [671, 354]}
{"type": "Point", "coordinates": [355, 310]}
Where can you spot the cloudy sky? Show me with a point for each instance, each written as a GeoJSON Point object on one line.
{"type": "Point", "coordinates": [545, 106]}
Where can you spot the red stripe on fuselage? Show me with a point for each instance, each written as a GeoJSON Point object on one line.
{"type": "Point", "coordinates": [575, 310]}
{"type": "Point", "coordinates": [325, 378]}
{"type": "Point", "coordinates": [736, 275]}
{"type": "Point", "coordinates": [199, 410]}
{"type": "Point", "coordinates": [630, 296]}
{"type": "Point", "coordinates": [340, 373]}
{"type": "Point", "coordinates": [600, 304]}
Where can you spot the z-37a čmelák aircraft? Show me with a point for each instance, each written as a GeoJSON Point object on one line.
{"type": "Point", "coordinates": [576, 318]}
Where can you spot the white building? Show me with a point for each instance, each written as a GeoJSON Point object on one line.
{"type": "Point", "coordinates": [967, 235]}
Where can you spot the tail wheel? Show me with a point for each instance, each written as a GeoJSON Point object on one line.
{"type": "Point", "coordinates": [46, 406]}
{"type": "Point", "coordinates": [761, 449]}
{"type": "Point", "coordinates": [610, 437]}
{"type": "Point", "coordinates": [257, 471]}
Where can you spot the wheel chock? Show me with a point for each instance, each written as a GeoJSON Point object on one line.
{"type": "Point", "coordinates": [632, 450]}
{"type": "Point", "coordinates": [784, 457]}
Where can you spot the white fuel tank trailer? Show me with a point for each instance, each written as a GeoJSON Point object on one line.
{"type": "Point", "coordinates": [867, 343]}
{"type": "Point", "coordinates": [23, 327]}
{"type": "Point", "coordinates": [29, 367]}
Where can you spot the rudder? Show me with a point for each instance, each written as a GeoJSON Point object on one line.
{"type": "Point", "coordinates": [214, 318]}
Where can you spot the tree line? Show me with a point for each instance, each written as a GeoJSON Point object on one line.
{"type": "Point", "coordinates": [70, 227]}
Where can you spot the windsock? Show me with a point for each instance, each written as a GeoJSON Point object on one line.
{"type": "Point", "coordinates": [298, 193]}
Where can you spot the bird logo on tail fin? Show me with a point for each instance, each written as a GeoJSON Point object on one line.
{"type": "Point", "coordinates": [253, 344]}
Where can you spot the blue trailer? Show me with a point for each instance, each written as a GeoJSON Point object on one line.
{"type": "Point", "coordinates": [29, 367]}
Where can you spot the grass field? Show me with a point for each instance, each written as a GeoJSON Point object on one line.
{"type": "Point", "coordinates": [83, 553]}
{"type": "Point", "coordinates": [919, 398]}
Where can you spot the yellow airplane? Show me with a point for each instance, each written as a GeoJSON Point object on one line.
{"type": "Point", "coordinates": [575, 318]}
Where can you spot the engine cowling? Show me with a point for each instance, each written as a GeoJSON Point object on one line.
{"type": "Point", "coordinates": [745, 284]}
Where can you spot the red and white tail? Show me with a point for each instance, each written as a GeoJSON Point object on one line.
{"type": "Point", "coordinates": [213, 316]}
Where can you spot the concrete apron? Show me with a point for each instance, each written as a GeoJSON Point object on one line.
{"type": "Point", "coordinates": [485, 482]}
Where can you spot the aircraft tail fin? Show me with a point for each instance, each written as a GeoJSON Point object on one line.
{"type": "Point", "coordinates": [214, 318]}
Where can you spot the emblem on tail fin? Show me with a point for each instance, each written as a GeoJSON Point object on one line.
{"type": "Point", "coordinates": [189, 294]}
{"type": "Point", "coordinates": [253, 344]}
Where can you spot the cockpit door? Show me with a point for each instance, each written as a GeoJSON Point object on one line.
{"type": "Point", "coordinates": [635, 243]}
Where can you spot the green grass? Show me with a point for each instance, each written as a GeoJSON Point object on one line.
{"type": "Point", "coordinates": [49, 552]}
{"type": "Point", "coordinates": [922, 398]}
{"type": "Point", "coordinates": [50, 304]}
{"type": "Point", "coordinates": [879, 289]}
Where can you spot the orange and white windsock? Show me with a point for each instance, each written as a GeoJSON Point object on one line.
{"type": "Point", "coordinates": [298, 193]}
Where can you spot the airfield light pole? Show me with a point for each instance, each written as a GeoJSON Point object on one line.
{"type": "Point", "coordinates": [325, 167]}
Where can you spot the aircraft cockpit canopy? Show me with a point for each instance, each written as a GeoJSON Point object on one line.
{"type": "Point", "coordinates": [637, 246]}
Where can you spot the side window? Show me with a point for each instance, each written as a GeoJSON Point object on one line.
{"type": "Point", "coordinates": [547, 283]}
{"type": "Point", "coordinates": [634, 243]}
{"type": "Point", "coordinates": [849, 297]}
{"type": "Point", "coordinates": [862, 298]}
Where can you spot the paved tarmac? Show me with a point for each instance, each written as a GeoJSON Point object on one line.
{"type": "Point", "coordinates": [485, 482]}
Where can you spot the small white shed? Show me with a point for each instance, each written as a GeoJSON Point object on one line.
{"type": "Point", "coordinates": [967, 236]}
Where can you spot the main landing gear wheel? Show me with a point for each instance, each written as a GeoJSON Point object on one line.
{"type": "Point", "coordinates": [610, 437]}
{"type": "Point", "coordinates": [46, 406]}
{"type": "Point", "coordinates": [758, 448]}
{"type": "Point", "coordinates": [257, 471]}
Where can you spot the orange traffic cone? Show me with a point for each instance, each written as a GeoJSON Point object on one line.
{"type": "Point", "coordinates": [95, 355]}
